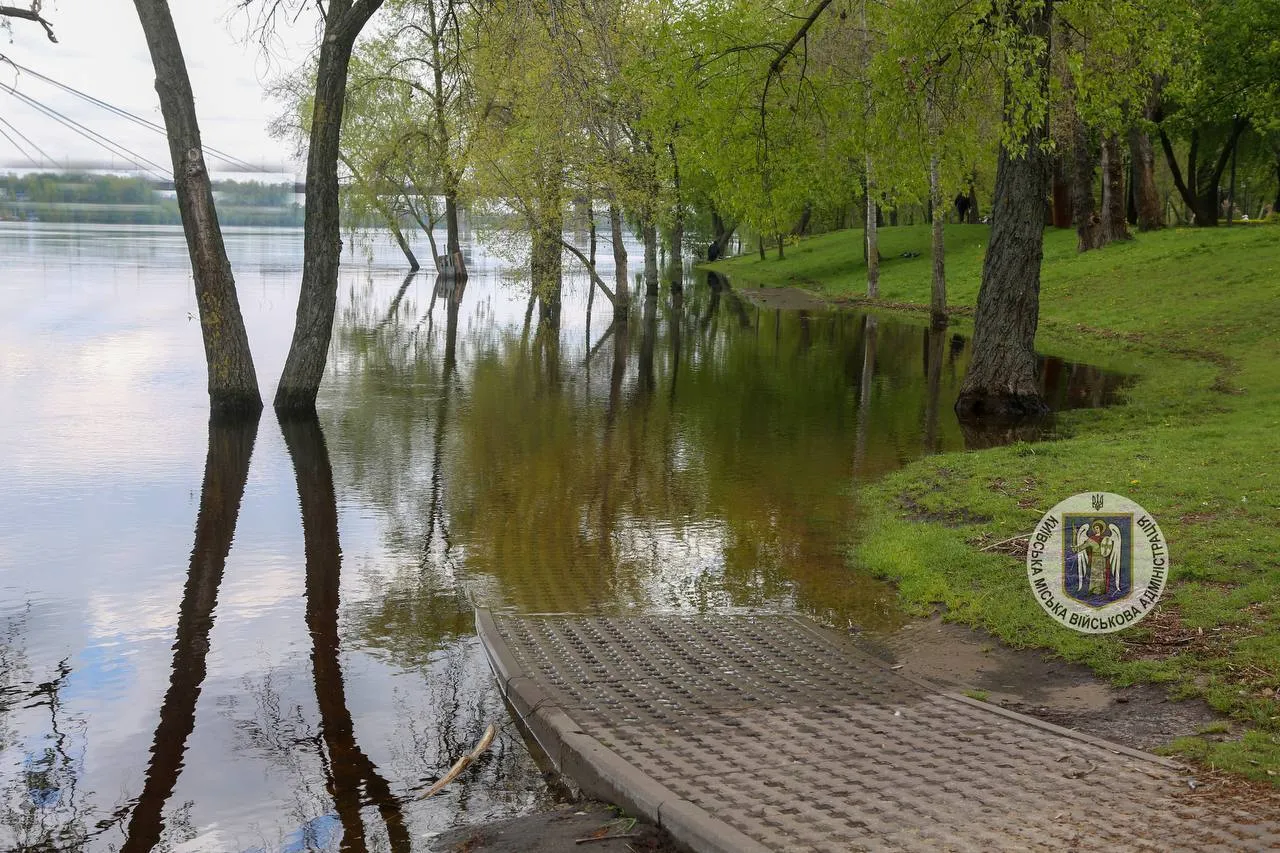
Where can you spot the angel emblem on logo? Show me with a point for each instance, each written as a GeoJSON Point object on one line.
{"type": "Point", "coordinates": [1097, 557]}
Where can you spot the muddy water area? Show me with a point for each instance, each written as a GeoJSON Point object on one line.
{"type": "Point", "coordinates": [260, 638]}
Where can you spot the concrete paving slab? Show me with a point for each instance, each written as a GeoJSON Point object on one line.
{"type": "Point", "coordinates": [739, 734]}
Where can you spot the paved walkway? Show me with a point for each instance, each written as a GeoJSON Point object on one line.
{"type": "Point", "coordinates": [746, 734]}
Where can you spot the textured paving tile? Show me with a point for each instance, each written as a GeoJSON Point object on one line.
{"type": "Point", "coordinates": [799, 740]}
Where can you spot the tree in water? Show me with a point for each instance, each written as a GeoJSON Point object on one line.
{"type": "Point", "coordinates": [322, 239]}
{"type": "Point", "coordinates": [233, 382]}
{"type": "Point", "coordinates": [1001, 380]}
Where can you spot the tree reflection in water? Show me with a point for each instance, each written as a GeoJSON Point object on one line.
{"type": "Point", "coordinates": [43, 807]}
{"type": "Point", "coordinates": [351, 775]}
{"type": "Point", "coordinates": [226, 469]}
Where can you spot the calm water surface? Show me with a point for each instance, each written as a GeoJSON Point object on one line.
{"type": "Point", "coordinates": [220, 638]}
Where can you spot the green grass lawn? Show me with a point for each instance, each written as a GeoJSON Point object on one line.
{"type": "Point", "coordinates": [1196, 314]}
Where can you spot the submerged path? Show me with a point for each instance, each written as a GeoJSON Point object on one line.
{"type": "Point", "coordinates": [740, 734]}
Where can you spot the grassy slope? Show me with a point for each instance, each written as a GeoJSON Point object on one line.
{"type": "Point", "coordinates": [1197, 315]}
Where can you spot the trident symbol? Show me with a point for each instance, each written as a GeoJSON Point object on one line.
{"type": "Point", "coordinates": [1097, 501]}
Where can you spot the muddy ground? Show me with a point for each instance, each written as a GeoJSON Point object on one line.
{"type": "Point", "coordinates": [1026, 681]}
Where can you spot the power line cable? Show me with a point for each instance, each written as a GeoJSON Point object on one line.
{"type": "Point", "coordinates": [137, 119]}
{"type": "Point", "coordinates": [92, 135]}
{"type": "Point", "coordinates": [21, 150]}
{"type": "Point", "coordinates": [27, 139]}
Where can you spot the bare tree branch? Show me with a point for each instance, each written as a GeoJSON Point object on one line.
{"type": "Point", "coordinates": [31, 14]}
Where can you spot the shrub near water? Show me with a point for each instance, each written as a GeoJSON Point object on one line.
{"type": "Point", "coordinates": [1196, 315]}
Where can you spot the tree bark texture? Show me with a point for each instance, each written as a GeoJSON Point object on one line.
{"type": "Point", "coordinates": [232, 380]}
{"type": "Point", "coordinates": [1001, 381]}
{"type": "Point", "coordinates": [1114, 225]}
{"type": "Point", "coordinates": [1146, 197]}
{"type": "Point", "coordinates": [322, 237]}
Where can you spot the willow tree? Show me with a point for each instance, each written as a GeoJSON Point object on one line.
{"type": "Point", "coordinates": [232, 380]}
{"type": "Point", "coordinates": [322, 238]}
{"type": "Point", "coordinates": [1001, 380]}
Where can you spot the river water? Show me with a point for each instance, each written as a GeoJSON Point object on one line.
{"type": "Point", "coordinates": [221, 638]}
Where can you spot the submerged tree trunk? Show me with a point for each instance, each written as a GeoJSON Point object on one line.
{"type": "Point", "coordinates": [677, 225]}
{"type": "Point", "coordinates": [322, 239]}
{"type": "Point", "coordinates": [872, 246]}
{"type": "Point", "coordinates": [938, 293]}
{"type": "Point", "coordinates": [1146, 196]}
{"type": "Point", "coordinates": [1114, 225]}
{"type": "Point", "coordinates": [545, 266]}
{"type": "Point", "coordinates": [232, 380]}
{"type": "Point", "coordinates": [650, 232]}
{"type": "Point", "coordinates": [619, 249]}
{"type": "Point", "coordinates": [1001, 379]}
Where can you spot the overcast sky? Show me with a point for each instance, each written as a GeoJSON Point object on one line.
{"type": "Point", "coordinates": [102, 52]}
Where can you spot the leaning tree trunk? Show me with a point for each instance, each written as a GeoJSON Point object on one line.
{"type": "Point", "coordinates": [1001, 379]}
{"type": "Point", "coordinates": [1114, 225]}
{"type": "Point", "coordinates": [232, 380]}
{"type": "Point", "coordinates": [322, 238]}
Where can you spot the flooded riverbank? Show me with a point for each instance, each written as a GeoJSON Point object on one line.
{"type": "Point", "coordinates": [217, 638]}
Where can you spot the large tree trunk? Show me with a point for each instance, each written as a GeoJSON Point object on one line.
{"type": "Point", "coordinates": [322, 238]}
{"type": "Point", "coordinates": [1146, 197]}
{"type": "Point", "coordinates": [938, 293]}
{"type": "Point", "coordinates": [226, 469]}
{"type": "Point", "coordinates": [872, 238]}
{"type": "Point", "coordinates": [232, 380]}
{"type": "Point", "coordinates": [457, 265]}
{"type": "Point", "coordinates": [1114, 225]}
{"type": "Point", "coordinates": [1001, 380]}
{"type": "Point", "coordinates": [721, 235]}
